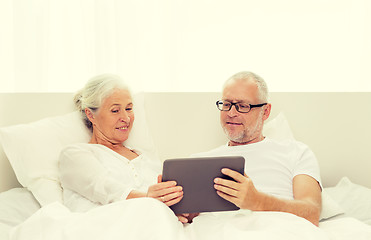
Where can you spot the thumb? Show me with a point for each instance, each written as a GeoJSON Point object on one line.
{"type": "Point", "coordinates": [159, 178]}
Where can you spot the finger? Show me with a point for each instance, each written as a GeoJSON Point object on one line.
{"type": "Point", "coordinates": [159, 178]}
{"type": "Point", "coordinates": [192, 216]}
{"type": "Point", "coordinates": [173, 201]}
{"type": "Point", "coordinates": [182, 219]}
{"type": "Point", "coordinates": [227, 183]}
{"type": "Point", "coordinates": [226, 190]}
{"type": "Point", "coordinates": [163, 185]}
{"type": "Point", "coordinates": [167, 191]}
{"type": "Point", "coordinates": [159, 189]}
{"type": "Point", "coordinates": [152, 192]}
{"type": "Point", "coordinates": [228, 198]}
{"type": "Point", "coordinates": [171, 196]}
{"type": "Point", "coordinates": [233, 174]}
{"type": "Point", "coordinates": [183, 215]}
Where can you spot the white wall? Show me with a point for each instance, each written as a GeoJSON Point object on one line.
{"type": "Point", "coordinates": [194, 45]}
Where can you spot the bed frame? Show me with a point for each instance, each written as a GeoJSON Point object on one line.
{"type": "Point", "coordinates": [335, 125]}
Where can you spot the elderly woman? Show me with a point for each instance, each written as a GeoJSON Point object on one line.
{"type": "Point", "coordinates": [105, 170]}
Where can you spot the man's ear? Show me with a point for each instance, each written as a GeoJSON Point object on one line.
{"type": "Point", "coordinates": [89, 115]}
{"type": "Point", "coordinates": [267, 111]}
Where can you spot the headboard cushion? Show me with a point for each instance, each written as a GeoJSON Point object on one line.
{"type": "Point", "coordinates": [336, 126]}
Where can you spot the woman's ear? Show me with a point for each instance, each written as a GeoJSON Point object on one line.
{"type": "Point", "coordinates": [89, 115]}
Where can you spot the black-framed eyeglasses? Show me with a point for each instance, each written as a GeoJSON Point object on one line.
{"type": "Point", "coordinates": [240, 107]}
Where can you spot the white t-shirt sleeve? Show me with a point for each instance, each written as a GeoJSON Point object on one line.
{"type": "Point", "coordinates": [82, 172]}
{"type": "Point", "coordinates": [306, 163]}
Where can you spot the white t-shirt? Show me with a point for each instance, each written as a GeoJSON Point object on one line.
{"type": "Point", "coordinates": [272, 164]}
{"type": "Point", "coordinates": [92, 175]}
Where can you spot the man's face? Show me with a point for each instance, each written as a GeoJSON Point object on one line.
{"type": "Point", "coordinates": [243, 128]}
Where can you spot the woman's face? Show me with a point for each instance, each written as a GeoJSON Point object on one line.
{"type": "Point", "coordinates": [114, 119]}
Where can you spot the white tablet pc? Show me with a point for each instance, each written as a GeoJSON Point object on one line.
{"type": "Point", "coordinates": [196, 176]}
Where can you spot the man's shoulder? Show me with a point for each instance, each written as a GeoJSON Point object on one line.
{"type": "Point", "coordinates": [266, 144]}
{"type": "Point", "coordinates": [213, 152]}
{"type": "Point", "coordinates": [290, 142]}
{"type": "Point", "coordinates": [288, 146]}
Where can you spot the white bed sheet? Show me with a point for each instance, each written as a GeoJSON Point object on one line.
{"type": "Point", "coordinates": [4, 230]}
{"type": "Point", "coordinates": [16, 205]}
{"type": "Point", "coordinates": [147, 218]}
{"type": "Point", "coordinates": [20, 214]}
{"type": "Point", "coordinates": [353, 198]}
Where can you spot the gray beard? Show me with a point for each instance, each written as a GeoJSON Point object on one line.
{"type": "Point", "coordinates": [239, 137]}
{"type": "Point", "coordinates": [243, 136]}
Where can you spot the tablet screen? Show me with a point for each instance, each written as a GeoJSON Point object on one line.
{"type": "Point", "coordinates": [196, 176]}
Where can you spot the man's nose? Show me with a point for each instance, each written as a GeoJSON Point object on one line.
{"type": "Point", "coordinates": [233, 112]}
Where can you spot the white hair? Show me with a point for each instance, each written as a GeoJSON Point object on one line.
{"type": "Point", "coordinates": [95, 91]}
{"type": "Point", "coordinates": [247, 76]}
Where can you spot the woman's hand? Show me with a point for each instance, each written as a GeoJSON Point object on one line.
{"type": "Point", "coordinates": [167, 192]}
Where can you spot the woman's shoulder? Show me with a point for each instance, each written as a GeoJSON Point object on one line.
{"type": "Point", "coordinates": [73, 150]}
{"type": "Point", "coordinates": [76, 146]}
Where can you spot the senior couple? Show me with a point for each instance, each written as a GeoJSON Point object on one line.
{"type": "Point", "coordinates": [280, 176]}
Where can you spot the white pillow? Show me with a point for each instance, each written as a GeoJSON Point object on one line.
{"type": "Point", "coordinates": [33, 149]}
{"type": "Point", "coordinates": [330, 208]}
{"type": "Point", "coordinates": [278, 128]}
{"type": "Point", "coordinates": [16, 205]}
{"type": "Point", "coordinates": [353, 198]}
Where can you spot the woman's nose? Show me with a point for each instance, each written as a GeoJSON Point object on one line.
{"type": "Point", "coordinates": [125, 117]}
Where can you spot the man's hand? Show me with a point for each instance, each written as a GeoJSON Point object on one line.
{"type": "Point", "coordinates": [240, 192]}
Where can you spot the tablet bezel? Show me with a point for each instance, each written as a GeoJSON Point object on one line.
{"type": "Point", "coordinates": [196, 176]}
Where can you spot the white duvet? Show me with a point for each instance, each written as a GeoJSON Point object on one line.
{"type": "Point", "coordinates": [147, 218]}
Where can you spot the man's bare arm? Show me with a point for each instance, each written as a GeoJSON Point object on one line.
{"type": "Point", "coordinates": [306, 203]}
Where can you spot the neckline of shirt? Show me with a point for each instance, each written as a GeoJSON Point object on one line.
{"type": "Point", "coordinates": [119, 155]}
{"type": "Point", "coordinates": [249, 144]}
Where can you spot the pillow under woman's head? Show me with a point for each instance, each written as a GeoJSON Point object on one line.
{"type": "Point", "coordinates": [33, 149]}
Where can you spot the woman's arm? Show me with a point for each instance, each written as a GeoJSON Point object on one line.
{"type": "Point", "coordinates": [81, 172]}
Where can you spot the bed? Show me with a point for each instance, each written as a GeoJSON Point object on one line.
{"type": "Point", "coordinates": [35, 126]}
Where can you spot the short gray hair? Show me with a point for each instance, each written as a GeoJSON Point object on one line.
{"type": "Point", "coordinates": [95, 91]}
{"type": "Point", "coordinates": [246, 76]}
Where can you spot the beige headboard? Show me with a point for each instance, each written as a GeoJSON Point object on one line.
{"type": "Point", "coordinates": [335, 125]}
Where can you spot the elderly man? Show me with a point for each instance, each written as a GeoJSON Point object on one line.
{"type": "Point", "coordinates": [280, 175]}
